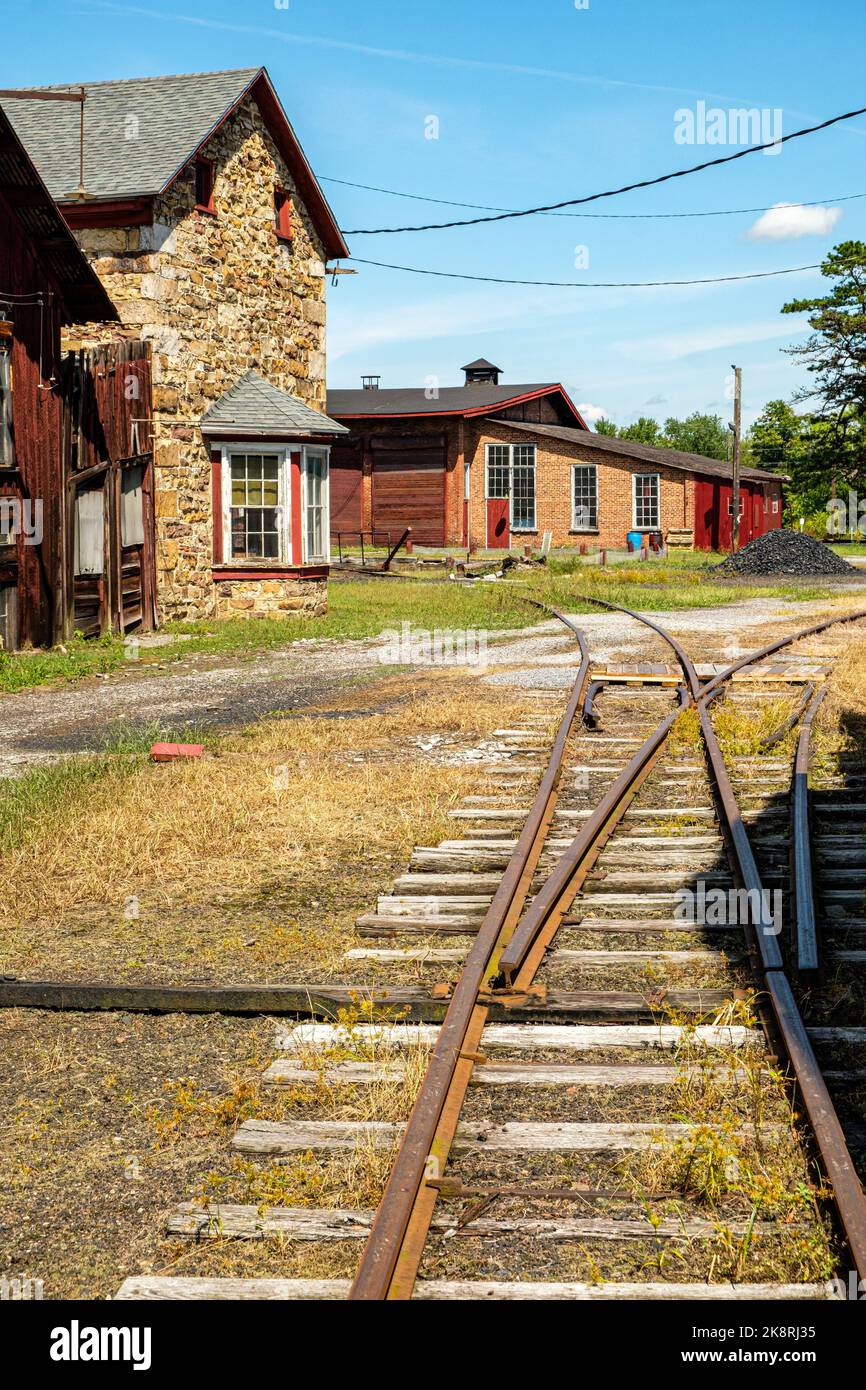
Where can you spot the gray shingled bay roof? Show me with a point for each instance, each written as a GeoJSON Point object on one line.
{"type": "Point", "coordinates": [254, 407]}
{"type": "Point", "coordinates": [137, 132]}
{"type": "Point", "coordinates": [645, 453]}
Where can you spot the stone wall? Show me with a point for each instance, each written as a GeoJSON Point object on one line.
{"type": "Point", "coordinates": [216, 294]}
{"type": "Point", "coordinates": [270, 598]}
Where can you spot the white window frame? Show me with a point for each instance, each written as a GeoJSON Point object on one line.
{"type": "Point", "coordinates": [323, 451]}
{"type": "Point", "coordinates": [284, 520]}
{"type": "Point", "coordinates": [643, 525]}
{"type": "Point", "coordinates": [519, 530]}
{"type": "Point", "coordinates": [775, 506]}
{"type": "Point", "coordinates": [593, 469]}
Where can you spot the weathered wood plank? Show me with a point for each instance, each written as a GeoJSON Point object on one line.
{"type": "Point", "coordinates": [530, 1037]}
{"type": "Point", "coordinates": [160, 1287]}
{"type": "Point", "coordinates": [228, 1221]}
{"type": "Point", "coordinates": [285, 1072]}
{"type": "Point", "coordinates": [322, 1136]}
{"type": "Point", "coordinates": [435, 955]}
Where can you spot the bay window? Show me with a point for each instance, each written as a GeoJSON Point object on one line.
{"type": "Point", "coordinates": [257, 503]}
{"type": "Point", "coordinates": [315, 502]}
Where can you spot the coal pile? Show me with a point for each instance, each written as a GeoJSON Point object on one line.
{"type": "Point", "coordinates": [785, 552]}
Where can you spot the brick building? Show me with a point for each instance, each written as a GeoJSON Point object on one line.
{"type": "Point", "coordinates": [492, 465]}
{"type": "Point", "coordinates": [205, 224]}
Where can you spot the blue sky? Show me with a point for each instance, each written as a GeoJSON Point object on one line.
{"type": "Point", "coordinates": [534, 103]}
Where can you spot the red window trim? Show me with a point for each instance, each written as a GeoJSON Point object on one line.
{"type": "Point", "coordinates": [283, 215]}
{"type": "Point", "coordinates": [202, 163]}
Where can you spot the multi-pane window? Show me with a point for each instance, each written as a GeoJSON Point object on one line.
{"type": "Point", "coordinates": [511, 473]}
{"type": "Point", "coordinates": [315, 506]}
{"type": "Point", "coordinates": [255, 507]}
{"type": "Point", "coordinates": [646, 501]}
{"type": "Point", "coordinates": [584, 497]}
{"type": "Point", "coordinates": [523, 487]}
{"type": "Point", "coordinates": [498, 470]}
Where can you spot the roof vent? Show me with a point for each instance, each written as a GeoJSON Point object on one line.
{"type": "Point", "coordinates": [370, 383]}
{"type": "Point", "coordinates": [481, 370]}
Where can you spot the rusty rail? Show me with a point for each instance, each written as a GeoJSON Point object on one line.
{"type": "Point", "coordinates": [805, 935]}
{"type": "Point", "coordinates": [792, 721]}
{"type": "Point", "coordinates": [393, 1251]}
{"type": "Point", "coordinates": [828, 1133]}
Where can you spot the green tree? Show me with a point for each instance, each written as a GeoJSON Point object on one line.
{"type": "Point", "coordinates": [644, 431]}
{"type": "Point", "coordinates": [777, 438]}
{"type": "Point", "coordinates": [606, 427]}
{"type": "Point", "coordinates": [835, 351]}
{"type": "Point", "coordinates": [697, 434]}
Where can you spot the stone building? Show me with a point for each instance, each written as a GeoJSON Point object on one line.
{"type": "Point", "coordinates": [206, 225]}
{"type": "Point", "coordinates": [493, 465]}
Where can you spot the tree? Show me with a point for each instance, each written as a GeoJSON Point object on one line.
{"type": "Point", "coordinates": [835, 352]}
{"type": "Point", "coordinates": [643, 431]}
{"type": "Point", "coordinates": [603, 426]}
{"type": "Point", "coordinates": [777, 438]}
{"type": "Point", "coordinates": [697, 434]}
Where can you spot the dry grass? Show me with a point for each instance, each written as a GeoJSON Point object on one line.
{"type": "Point", "coordinates": [255, 857]}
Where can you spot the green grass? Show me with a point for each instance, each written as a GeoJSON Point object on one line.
{"type": "Point", "coordinates": [19, 670]}
{"type": "Point", "coordinates": [364, 608]}
{"type": "Point", "coordinates": [846, 551]}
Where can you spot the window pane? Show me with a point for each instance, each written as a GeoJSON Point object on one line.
{"type": "Point", "coordinates": [498, 470]}
{"type": "Point", "coordinates": [131, 506]}
{"type": "Point", "coordinates": [646, 500]}
{"type": "Point", "coordinates": [585, 497]}
{"type": "Point", "coordinates": [523, 487]}
{"type": "Point", "coordinates": [316, 466]}
{"type": "Point", "coordinates": [255, 516]}
{"type": "Point", "coordinates": [89, 531]}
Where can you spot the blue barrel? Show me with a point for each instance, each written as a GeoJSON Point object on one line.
{"type": "Point", "coordinates": [635, 540]}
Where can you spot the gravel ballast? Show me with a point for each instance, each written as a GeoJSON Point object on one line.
{"type": "Point", "coordinates": [785, 552]}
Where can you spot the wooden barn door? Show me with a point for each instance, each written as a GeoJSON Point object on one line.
{"type": "Point", "coordinates": [409, 489]}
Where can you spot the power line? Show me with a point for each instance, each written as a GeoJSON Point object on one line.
{"type": "Point", "coordinates": [614, 192]}
{"type": "Point", "coordinates": [616, 216]}
{"type": "Point", "coordinates": [584, 284]}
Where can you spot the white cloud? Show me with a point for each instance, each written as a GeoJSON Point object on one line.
{"type": "Point", "coordinates": [788, 221]}
{"type": "Point", "coordinates": [593, 413]}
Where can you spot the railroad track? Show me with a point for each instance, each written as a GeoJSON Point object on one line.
{"type": "Point", "coordinates": [605, 1106]}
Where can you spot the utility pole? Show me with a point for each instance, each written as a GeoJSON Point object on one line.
{"type": "Point", "coordinates": [735, 458]}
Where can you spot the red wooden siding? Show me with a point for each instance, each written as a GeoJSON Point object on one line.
{"type": "Point", "coordinates": [409, 488]}
{"type": "Point", "coordinates": [346, 488]}
{"type": "Point", "coordinates": [713, 519]}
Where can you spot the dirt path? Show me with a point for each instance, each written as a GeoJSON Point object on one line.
{"type": "Point", "coordinates": [218, 692]}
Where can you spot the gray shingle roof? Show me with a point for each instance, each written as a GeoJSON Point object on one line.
{"type": "Point", "coordinates": [137, 132]}
{"type": "Point", "coordinates": [412, 400]}
{"type": "Point", "coordinates": [254, 407]}
{"type": "Point", "coordinates": [645, 453]}
{"type": "Point", "coordinates": [82, 295]}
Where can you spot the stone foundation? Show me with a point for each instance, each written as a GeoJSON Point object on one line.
{"type": "Point", "coordinates": [270, 598]}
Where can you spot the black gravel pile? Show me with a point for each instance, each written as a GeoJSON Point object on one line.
{"type": "Point", "coordinates": [785, 552]}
